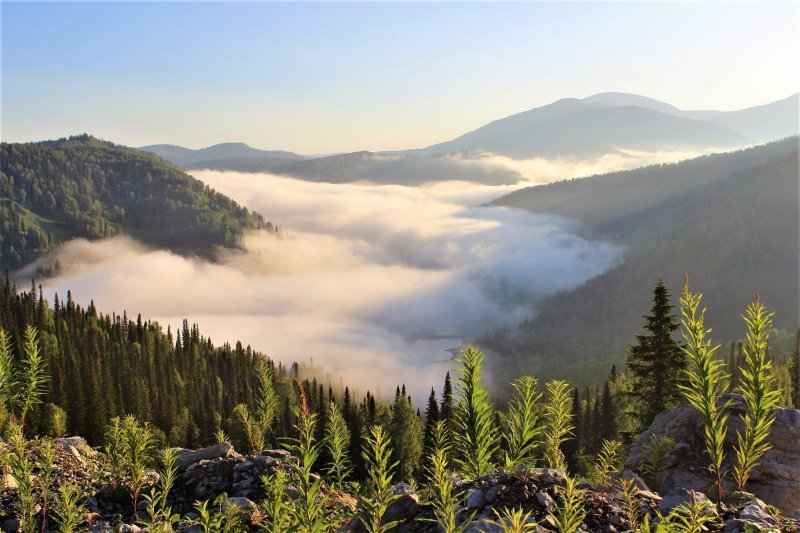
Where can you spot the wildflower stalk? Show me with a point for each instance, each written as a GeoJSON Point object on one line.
{"type": "Point", "coordinates": [759, 387]}
{"type": "Point", "coordinates": [706, 381]}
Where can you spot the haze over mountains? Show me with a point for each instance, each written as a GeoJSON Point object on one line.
{"type": "Point", "coordinates": [728, 220]}
{"type": "Point", "coordinates": [359, 222]}
{"type": "Point", "coordinates": [604, 124]}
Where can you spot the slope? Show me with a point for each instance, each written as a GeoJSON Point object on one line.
{"type": "Point", "coordinates": [402, 169]}
{"type": "Point", "coordinates": [594, 126]}
{"type": "Point", "coordinates": [225, 151]}
{"type": "Point", "coordinates": [82, 187]}
{"type": "Point", "coordinates": [730, 221]}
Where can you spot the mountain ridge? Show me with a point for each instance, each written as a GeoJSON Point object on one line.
{"type": "Point", "coordinates": [80, 186]}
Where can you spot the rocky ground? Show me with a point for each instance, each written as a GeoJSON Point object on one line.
{"type": "Point", "coordinates": [209, 472]}
{"type": "Point", "coordinates": [776, 479]}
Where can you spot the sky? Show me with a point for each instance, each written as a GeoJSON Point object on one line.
{"type": "Point", "coordinates": [331, 77]}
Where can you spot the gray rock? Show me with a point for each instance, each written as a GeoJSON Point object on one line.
{"type": "Point", "coordinates": [403, 508]}
{"type": "Point", "coordinates": [550, 475]}
{"type": "Point", "coordinates": [243, 503]}
{"type": "Point", "coordinates": [189, 457]}
{"type": "Point", "coordinates": [628, 475]}
{"type": "Point", "coordinates": [483, 525]}
{"type": "Point", "coordinates": [679, 496]}
{"type": "Point", "coordinates": [545, 500]}
{"type": "Point", "coordinates": [756, 513]}
{"type": "Point", "coordinates": [494, 492]}
{"type": "Point", "coordinates": [775, 480]}
{"type": "Point", "coordinates": [91, 504]}
{"type": "Point", "coordinates": [474, 499]}
{"type": "Point", "coordinates": [9, 482]}
{"type": "Point", "coordinates": [106, 526]}
{"type": "Point", "coordinates": [11, 525]}
{"type": "Point", "coordinates": [277, 454]}
{"type": "Point", "coordinates": [79, 444]}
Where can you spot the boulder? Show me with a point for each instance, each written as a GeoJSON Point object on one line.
{"type": "Point", "coordinates": [77, 446]}
{"type": "Point", "coordinates": [775, 480]}
{"type": "Point", "coordinates": [11, 525]}
{"type": "Point", "coordinates": [407, 505]}
{"type": "Point", "coordinates": [9, 482]}
{"type": "Point", "coordinates": [680, 496]}
{"type": "Point", "coordinates": [186, 458]}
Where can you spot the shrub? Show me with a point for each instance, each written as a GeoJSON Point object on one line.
{"type": "Point", "coordinates": [524, 427]}
{"type": "Point", "coordinates": [557, 422]}
{"type": "Point", "coordinates": [706, 381]}
{"type": "Point", "coordinates": [759, 386]}
{"type": "Point", "coordinates": [130, 447]}
{"type": "Point", "coordinates": [476, 436]}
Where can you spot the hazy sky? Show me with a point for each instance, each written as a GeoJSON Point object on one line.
{"type": "Point", "coordinates": [325, 77]}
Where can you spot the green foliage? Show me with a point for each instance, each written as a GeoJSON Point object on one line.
{"type": "Point", "coordinates": [257, 424]}
{"type": "Point", "coordinates": [130, 446]}
{"type": "Point", "coordinates": [221, 518]}
{"type": "Point", "coordinates": [656, 456]}
{"type": "Point", "coordinates": [22, 470]}
{"type": "Point", "coordinates": [405, 433]}
{"type": "Point", "coordinates": [220, 436]}
{"type": "Point", "coordinates": [475, 435]}
{"type": "Point", "coordinates": [6, 372]}
{"type": "Point", "coordinates": [54, 191]}
{"type": "Point", "coordinates": [103, 366]}
{"type": "Point", "coordinates": [690, 517]}
{"type": "Point", "coordinates": [607, 462]}
{"type": "Point", "coordinates": [29, 386]}
{"type": "Point", "coordinates": [68, 511]}
{"type": "Point", "coordinates": [730, 220]}
{"type": "Point", "coordinates": [656, 362]}
{"type": "Point", "coordinates": [706, 381]}
{"type": "Point", "coordinates": [629, 492]}
{"type": "Point", "coordinates": [46, 460]}
{"type": "Point", "coordinates": [759, 387]}
{"type": "Point", "coordinates": [523, 429]}
{"type": "Point", "coordinates": [160, 517]}
{"type": "Point", "coordinates": [445, 504]}
{"type": "Point", "coordinates": [337, 440]}
{"type": "Point", "coordinates": [515, 521]}
{"type": "Point", "coordinates": [277, 511]}
{"type": "Point", "coordinates": [557, 422]}
{"type": "Point", "coordinates": [377, 457]}
{"type": "Point", "coordinates": [309, 511]}
{"type": "Point", "coordinates": [55, 420]}
{"type": "Point", "coordinates": [569, 513]}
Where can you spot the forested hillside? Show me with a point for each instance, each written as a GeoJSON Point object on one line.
{"type": "Point", "coordinates": [54, 191]}
{"type": "Point", "coordinates": [730, 221]}
{"type": "Point", "coordinates": [105, 365]}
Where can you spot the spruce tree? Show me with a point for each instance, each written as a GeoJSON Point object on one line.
{"type": "Point", "coordinates": [446, 408]}
{"type": "Point", "coordinates": [431, 421]}
{"type": "Point", "coordinates": [656, 362]}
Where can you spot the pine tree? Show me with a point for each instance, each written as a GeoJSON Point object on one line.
{"type": "Point", "coordinates": [405, 432]}
{"type": "Point", "coordinates": [572, 447]}
{"type": "Point", "coordinates": [446, 407]}
{"type": "Point", "coordinates": [431, 420]}
{"type": "Point", "coordinates": [656, 362]}
{"type": "Point", "coordinates": [608, 425]}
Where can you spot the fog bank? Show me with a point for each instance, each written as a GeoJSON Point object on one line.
{"type": "Point", "coordinates": [373, 281]}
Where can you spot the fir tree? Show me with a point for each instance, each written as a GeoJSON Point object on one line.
{"type": "Point", "coordinates": [431, 421]}
{"type": "Point", "coordinates": [446, 408]}
{"type": "Point", "coordinates": [656, 362]}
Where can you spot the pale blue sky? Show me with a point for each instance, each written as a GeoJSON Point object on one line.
{"type": "Point", "coordinates": [325, 77]}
